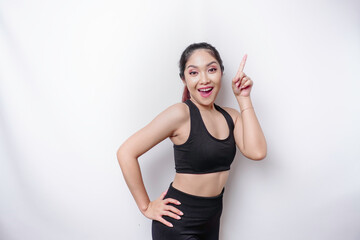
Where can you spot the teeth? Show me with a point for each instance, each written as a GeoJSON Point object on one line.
{"type": "Point", "coordinates": [205, 89]}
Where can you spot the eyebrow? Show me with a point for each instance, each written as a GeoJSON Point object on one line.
{"type": "Point", "coordinates": [206, 64]}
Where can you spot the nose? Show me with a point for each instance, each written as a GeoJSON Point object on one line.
{"type": "Point", "coordinates": [204, 78]}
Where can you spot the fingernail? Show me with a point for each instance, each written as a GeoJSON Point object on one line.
{"type": "Point", "coordinates": [181, 213]}
{"type": "Point", "coordinates": [178, 203]}
{"type": "Point", "coordinates": [171, 225]}
{"type": "Point", "coordinates": [178, 217]}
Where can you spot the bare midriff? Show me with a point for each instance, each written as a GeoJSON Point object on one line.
{"type": "Point", "coordinates": [204, 185]}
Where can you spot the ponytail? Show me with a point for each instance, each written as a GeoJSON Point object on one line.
{"type": "Point", "coordinates": [186, 94]}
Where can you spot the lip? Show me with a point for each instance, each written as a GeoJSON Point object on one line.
{"type": "Point", "coordinates": [205, 94]}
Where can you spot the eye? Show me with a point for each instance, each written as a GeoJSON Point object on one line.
{"type": "Point", "coordinates": [192, 73]}
{"type": "Point", "coordinates": [212, 70]}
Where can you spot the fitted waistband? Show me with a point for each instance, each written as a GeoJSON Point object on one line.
{"type": "Point", "coordinates": [186, 198]}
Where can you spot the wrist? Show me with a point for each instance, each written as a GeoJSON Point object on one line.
{"type": "Point", "coordinates": [244, 102]}
{"type": "Point", "coordinates": [247, 108]}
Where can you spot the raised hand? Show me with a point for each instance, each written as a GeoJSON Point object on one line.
{"type": "Point", "coordinates": [242, 84]}
{"type": "Point", "coordinates": [158, 208]}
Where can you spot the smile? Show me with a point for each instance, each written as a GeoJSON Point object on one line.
{"type": "Point", "coordinates": [205, 92]}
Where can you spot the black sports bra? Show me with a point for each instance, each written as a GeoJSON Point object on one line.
{"type": "Point", "coordinates": [203, 153]}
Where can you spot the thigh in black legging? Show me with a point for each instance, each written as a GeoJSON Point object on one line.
{"type": "Point", "coordinates": [187, 228]}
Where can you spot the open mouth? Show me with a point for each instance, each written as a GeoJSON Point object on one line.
{"type": "Point", "coordinates": [205, 92]}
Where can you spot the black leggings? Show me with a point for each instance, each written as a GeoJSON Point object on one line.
{"type": "Point", "coordinates": [201, 219]}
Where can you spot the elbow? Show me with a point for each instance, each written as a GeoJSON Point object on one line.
{"type": "Point", "coordinates": [258, 156]}
{"type": "Point", "coordinates": [260, 153]}
{"type": "Point", "coordinates": [120, 154]}
{"type": "Point", "coordinates": [125, 157]}
{"type": "Point", "coordinates": [255, 151]}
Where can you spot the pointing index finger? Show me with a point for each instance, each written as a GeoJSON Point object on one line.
{"type": "Point", "coordinates": [242, 64]}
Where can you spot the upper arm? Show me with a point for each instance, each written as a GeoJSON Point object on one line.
{"type": "Point", "coordinates": [161, 127]}
{"type": "Point", "coordinates": [238, 128]}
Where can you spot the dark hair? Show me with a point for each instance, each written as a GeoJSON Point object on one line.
{"type": "Point", "coordinates": [187, 54]}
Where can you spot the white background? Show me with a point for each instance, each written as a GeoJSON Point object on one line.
{"type": "Point", "coordinates": [79, 77]}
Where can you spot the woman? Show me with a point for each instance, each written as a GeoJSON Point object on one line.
{"type": "Point", "coordinates": [204, 137]}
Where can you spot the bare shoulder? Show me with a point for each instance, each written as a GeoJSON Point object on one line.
{"type": "Point", "coordinates": [177, 112]}
{"type": "Point", "coordinates": [172, 118]}
{"type": "Point", "coordinates": [179, 108]}
{"type": "Point", "coordinates": [233, 113]}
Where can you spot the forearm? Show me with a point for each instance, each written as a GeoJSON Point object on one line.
{"type": "Point", "coordinates": [131, 170]}
{"type": "Point", "coordinates": [254, 143]}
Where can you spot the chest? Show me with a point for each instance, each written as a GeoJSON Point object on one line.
{"type": "Point", "coordinates": [215, 124]}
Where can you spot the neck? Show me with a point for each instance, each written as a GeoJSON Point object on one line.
{"type": "Point", "coordinates": [202, 107]}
